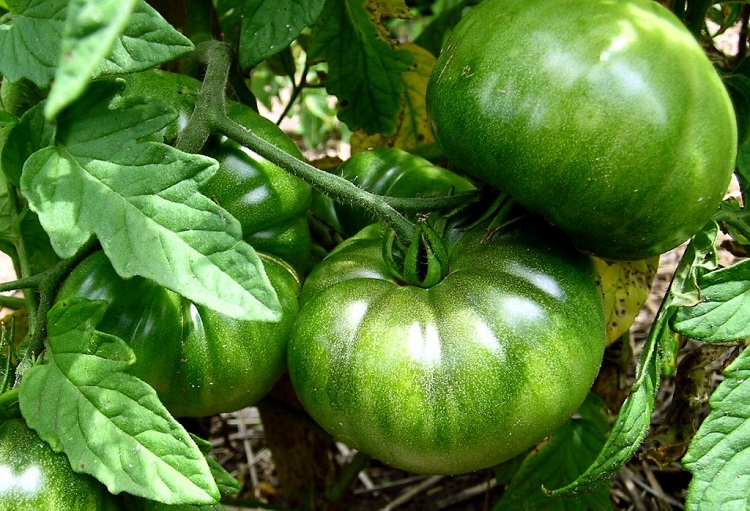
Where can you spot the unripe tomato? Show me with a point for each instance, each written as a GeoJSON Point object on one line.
{"type": "Point", "coordinates": [459, 376]}
{"type": "Point", "coordinates": [606, 117]}
{"type": "Point", "coordinates": [199, 361]}
{"type": "Point", "coordinates": [35, 478]}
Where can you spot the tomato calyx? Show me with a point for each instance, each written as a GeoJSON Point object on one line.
{"type": "Point", "coordinates": [423, 262]}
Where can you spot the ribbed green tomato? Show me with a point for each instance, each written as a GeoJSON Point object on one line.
{"type": "Point", "coordinates": [199, 361]}
{"type": "Point", "coordinates": [459, 376]}
{"type": "Point", "coordinates": [270, 203]}
{"type": "Point", "coordinates": [35, 478]}
{"type": "Point", "coordinates": [604, 116]}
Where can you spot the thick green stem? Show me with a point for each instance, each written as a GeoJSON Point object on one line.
{"type": "Point", "coordinates": [419, 204]}
{"type": "Point", "coordinates": [210, 116]}
{"type": "Point", "coordinates": [336, 187]}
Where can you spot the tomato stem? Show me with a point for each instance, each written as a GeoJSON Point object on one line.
{"type": "Point", "coordinates": [47, 284]}
{"type": "Point", "coordinates": [210, 116]}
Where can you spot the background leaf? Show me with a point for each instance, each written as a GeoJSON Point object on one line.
{"type": "Point", "coordinates": [719, 456]}
{"type": "Point", "coordinates": [413, 127]}
{"type": "Point", "coordinates": [268, 26]}
{"type": "Point", "coordinates": [142, 202]}
{"type": "Point", "coordinates": [350, 41]}
{"type": "Point", "coordinates": [96, 39]}
{"type": "Point", "coordinates": [109, 423]}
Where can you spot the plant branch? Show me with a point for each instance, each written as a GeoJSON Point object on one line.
{"type": "Point", "coordinates": [210, 116]}
{"type": "Point", "coordinates": [339, 489]}
{"type": "Point", "coordinates": [12, 302]}
{"type": "Point", "coordinates": [296, 90]}
{"type": "Point", "coordinates": [49, 282]}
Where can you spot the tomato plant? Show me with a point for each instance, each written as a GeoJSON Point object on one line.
{"type": "Point", "coordinates": [619, 131]}
{"type": "Point", "coordinates": [405, 287]}
{"type": "Point", "coordinates": [270, 203]}
{"type": "Point", "coordinates": [462, 375]}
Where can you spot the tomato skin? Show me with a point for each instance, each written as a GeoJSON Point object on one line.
{"type": "Point", "coordinates": [459, 376]}
{"type": "Point", "coordinates": [199, 361]}
{"type": "Point", "coordinates": [270, 204]}
{"type": "Point", "coordinates": [33, 477]}
{"type": "Point", "coordinates": [605, 117]}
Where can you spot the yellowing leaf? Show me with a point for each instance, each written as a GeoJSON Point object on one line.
{"type": "Point", "coordinates": [388, 9]}
{"type": "Point", "coordinates": [413, 128]}
{"type": "Point", "coordinates": [625, 286]}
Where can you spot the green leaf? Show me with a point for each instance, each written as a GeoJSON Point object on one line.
{"type": "Point", "coordinates": [110, 37]}
{"type": "Point", "coordinates": [109, 423]}
{"type": "Point", "coordinates": [269, 26]}
{"type": "Point", "coordinates": [87, 39]}
{"type": "Point", "coordinates": [557, 461]}
{"type": "Point", "coordinates": [722, 313]}
{"type": "Point", "coordinates": [91, 28]}
{"type": "Point", "coordinates": [433, 37]}
{"type": "Point", "coordinates": [141, 200]}
{"type": "Point", "coordinates": [29, 135]}
{"type": "Point", "coordinates": [719, 457]}
{"type": "Point", "coordinates": [349, 40]}
{"type": "Point", "coordinates": [30, 40]}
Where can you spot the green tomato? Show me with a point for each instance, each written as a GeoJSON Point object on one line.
{"type": "Point", "coordinates": [605, 117]}
{"type": "Point", "coordinates": [270, 203]}
{"type": "Point", "coordinates": [459, 376]}
{"type": "Point", "coordinates": [390, 172]}
{"type": "Point", "coordinates": [199, 361]}
{"type": "Point", "coordinates": [34, 478]}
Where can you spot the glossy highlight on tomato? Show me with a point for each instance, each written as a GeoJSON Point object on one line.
{"type": "Point", "coordinates": [199, 361]}
{"type": "Point", "coordinates": [35, 478]}
{"type": "Point", "coordinates": [606, 117]}
{"type": "Point", "coordinates": [462, 375]}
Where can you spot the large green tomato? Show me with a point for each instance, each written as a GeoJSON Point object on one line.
{"type": "Point", "coordinates": [604, 116]}
{"type": "Point", "coordinates": [35, 478]}
{"type": "Point", "coordinates": [459, 376]}
{"type": "Point", "coordinates": [199, 361]}
{"type": "Point", "coordinates": [270, 203]}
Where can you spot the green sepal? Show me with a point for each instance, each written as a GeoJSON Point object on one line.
{"type": "Point", "coordinates": [423, 263]}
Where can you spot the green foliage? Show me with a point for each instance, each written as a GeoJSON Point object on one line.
{"type": "Point", "coordinates": [97, 163]}
{"type": "Point", "coordinates": [718, 457]}
{"type": "Point", "coordinates": [346, 37]}
{"type": "Point", "coordinates": [88, 414]}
